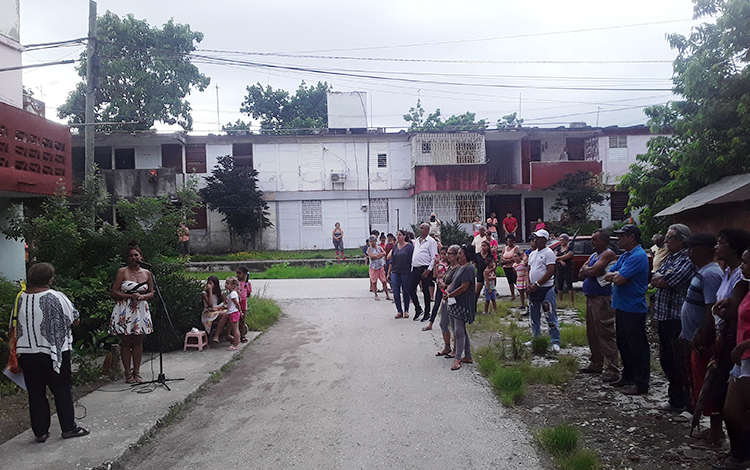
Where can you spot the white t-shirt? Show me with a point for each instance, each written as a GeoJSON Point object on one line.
{"type": "Point", "coordinates": [477, 243]}
{"type": "Point", "coordinates": [538, 262]}
{"type": "Point", "coordinates": [234, 295]}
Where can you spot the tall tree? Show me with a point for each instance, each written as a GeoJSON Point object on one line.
{"type": "Point", "coordinates": [234, 193]}
{"type": "Point", "coordinates": [579, 191]}
{"type": "Point", "coordinates": [709, 129]}
{"type": "Point", "coordinates": [434, 121]}
{"type": "Point", "coordinates": [284, 113]}
{"type": "Point", "coordinates": [145, 74]}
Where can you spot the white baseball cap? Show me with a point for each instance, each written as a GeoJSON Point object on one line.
{"type": "Point", "coordinates": [542, 233]}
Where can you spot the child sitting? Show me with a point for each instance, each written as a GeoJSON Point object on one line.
{"type": "Point", "coordinates": [521, 275]}
{"type": "Point", "coordinates": [490, 279]}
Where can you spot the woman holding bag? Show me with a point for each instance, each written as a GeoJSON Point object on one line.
{"type": "Point", "coordinates": [45, 342]}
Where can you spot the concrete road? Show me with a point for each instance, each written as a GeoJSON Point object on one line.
{"type": "Point", "coordinates": [339, 383]}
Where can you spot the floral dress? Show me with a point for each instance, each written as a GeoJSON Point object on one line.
{"type": "Point", "coordinates": [130, 316]}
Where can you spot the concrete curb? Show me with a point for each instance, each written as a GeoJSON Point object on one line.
{"type": "Point", "coordinates": [118, 415]}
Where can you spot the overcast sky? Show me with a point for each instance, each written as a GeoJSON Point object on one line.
{"type": "Point", "coordinates": [488, 57]}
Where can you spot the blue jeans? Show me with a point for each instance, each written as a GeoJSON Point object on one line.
{"type": "Point", "coordinates": [535, 307]}
{"type": "Point", "coordinates": [400, 286]}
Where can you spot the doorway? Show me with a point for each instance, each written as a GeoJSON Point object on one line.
{"type": "Point", "coordinates": [534, 209]}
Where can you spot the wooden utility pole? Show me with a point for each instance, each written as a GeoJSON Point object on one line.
{"type": "Point", "coordinates": [90, 90]}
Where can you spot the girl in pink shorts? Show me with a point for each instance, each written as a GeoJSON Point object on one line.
{"type": "Point", "coordinates": [233, 312]}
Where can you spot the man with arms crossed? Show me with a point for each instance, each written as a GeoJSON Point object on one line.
{"type": "Point", "coordinates": [629, 277]}
{"type": "Point", "coordinates": [600, 317]}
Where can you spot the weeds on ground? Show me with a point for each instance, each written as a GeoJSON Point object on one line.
{"type": "Point", "coordinates": [562, 442]}
{"type": "Point", "coordinates": [573, 334]}
{"type": "Point", "coordinates": [271, 255]}
{"type": "Point", "coordinates": [263, 312]}
{"type": "Point", "coordinates": [284, 271]}
{"type": "Point", "coordinates": [508, 384]}
{"type": "Point", "coordinates": [540, 345]}
{"type": "Point", "coordinates": [579, 304]}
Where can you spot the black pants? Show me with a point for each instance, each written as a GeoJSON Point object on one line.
{"type": "Point", "coordinates": [630, 328]}
{"type": "Point", "coordinates": [416, 279]}
{"type": "Point", "coordinates": [672, 359]}
{"type": "Point", "coordinates": [39, 374]}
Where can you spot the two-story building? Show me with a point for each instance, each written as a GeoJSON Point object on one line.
{"type": "Point", "coordinates": [35, 154]}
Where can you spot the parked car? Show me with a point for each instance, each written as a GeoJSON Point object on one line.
{"type": "Point", "coordinates": [582, 250]}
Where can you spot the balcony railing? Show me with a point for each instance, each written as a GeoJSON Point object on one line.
{"type": "Point", "coordinates": [34, 154]}
{"type": "Point", "coordinates": [447, 149]}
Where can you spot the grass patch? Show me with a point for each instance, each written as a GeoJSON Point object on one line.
{"type": "Point", "coordinates": [271, 255]}
{"type": "Point", "coordinates": [561, 442]}
{"type": "Point", "coordinates": [573, 334]}
{"type": "Point", "coordinates": [263, 313]}
{"type": "Point", "coordinates": [508, 384]}
{"type": "Point", "coordinates": [540, 345]}
{"type": "Point", "coordinates": [284, 271]}
{"type": "Point", "coordinates": [579, 304]}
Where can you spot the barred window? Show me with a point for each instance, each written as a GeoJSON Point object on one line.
{"type": "Point", "coordinates": [312, 213]}
{"type": "Point", "coordinates": [382, 160]}
{"type": "Point", "coordinates": [426, 147]}
{"type": "Point", "coordinates": [618, 142]}
{"type": "Point", "coordinates": [378, 211]}
{"type": "Point", "coordinates": [467, 152]}
{"type": "Point", "coordinates": [460, 207]}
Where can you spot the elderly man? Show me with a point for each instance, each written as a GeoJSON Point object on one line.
{"type": "Point", "coordinates": [659, 251]}
{"type": "Point", "coordinates": [600, 317]}
{"type": "Point", "coordinates": [541, 290]}
{"type": "Point", "coordinates": [477, 242]}
{"type": "Point", "coordinates": [629, 278]}
{"type": "Point", "coordinates": [422, 262]}
{"type": "Point", "coordinates": [672, 280]}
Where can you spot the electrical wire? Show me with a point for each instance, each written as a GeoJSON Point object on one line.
{"type": "Point", "coordinates": [50, 45]}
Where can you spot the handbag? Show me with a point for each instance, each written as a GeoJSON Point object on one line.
{"type": "Point", "coordinates": [13, 364]}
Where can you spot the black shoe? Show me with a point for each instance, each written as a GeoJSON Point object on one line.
{"type": "Point", "coordinates": [426, 318]}
{"type": "Point", "coordinates": [621, 383]}
{"type": "Point", "coordinates": [416, 315]}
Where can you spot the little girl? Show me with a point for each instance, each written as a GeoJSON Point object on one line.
{"type": "Point", "coordinates": [377, 263]}
{"type": "Point", "coordinates": [438, 272]}
{"type": "Point", "coordinates": [233, 311]}
{"type": "Point", "coordinates": [521, 273]}
{"type": "Point", "coordinates": [245, 289]}
{"type": "Point", "coordinates": [490, 280]}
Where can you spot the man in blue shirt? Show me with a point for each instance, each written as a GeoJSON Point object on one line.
{"type": "Point", "coordinates": [629, 278]}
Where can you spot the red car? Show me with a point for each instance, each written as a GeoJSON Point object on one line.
{"type": "Point", "coordinates": [582, 250]}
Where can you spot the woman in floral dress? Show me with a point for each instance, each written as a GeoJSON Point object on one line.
{"type": "Point", "coordinates": [131, 318]}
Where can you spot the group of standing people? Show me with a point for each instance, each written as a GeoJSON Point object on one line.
{"type": "Point", "coordinates": [701, 308]}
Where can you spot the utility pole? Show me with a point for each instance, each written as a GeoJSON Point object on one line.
{"type": "Point", "coordinates": [218, 117]}
{"type": "Point", "coordinates": [90, 90]}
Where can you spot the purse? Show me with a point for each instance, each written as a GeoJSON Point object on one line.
{"type": "Point", "coordinates": [13, 364]}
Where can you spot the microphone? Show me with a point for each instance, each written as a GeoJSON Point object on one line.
{"type": "Point", "coordinates": [145, 264]}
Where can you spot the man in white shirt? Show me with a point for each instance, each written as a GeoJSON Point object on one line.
{"type": "Point", "coordinates": [541, 288]}
{"type": "Point", "coordinates": [477, 242]}
{"type": "Point", "coordinates": [422, 262]}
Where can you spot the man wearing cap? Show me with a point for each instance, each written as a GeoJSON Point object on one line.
{"type": "Point", "coordinates": [672, 280]}
{"type": "Point", "coordinates": [600, 317]}
{"type": "Point", "coordinates": [696, 312]}
{"type": "Point", "coordinates": [629, 278]}
{"type": "Point", "coordinates": [541, 290]}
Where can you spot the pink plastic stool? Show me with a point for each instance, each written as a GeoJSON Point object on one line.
{"type": "Point", "coordinates": [201, 340]}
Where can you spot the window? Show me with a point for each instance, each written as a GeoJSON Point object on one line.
{"type": "Point", "coordinates": [195, 158]}
{"type": "Point", "coordinates": [576, 148]}
{"type": "Point", "coordinates": [618, 204]}
{"type": "Point", "coordinates": [124, 159]}
{"type": "Point", "coordinates": [618, 142]}
{"type": "Point", "coordinates": [312, 214]}
{"type": "Point", "coordinates": [467, 152]}
{"type": "Point", "coordinates": [461, 207]}
{"type": "Point", "coordinates": [243, 155]}
{"type": "Point", "coordinates": [379, 211]}
{"type": "Point", "coordinates": [171, 156]}
{"type": "Point", "coordinates": [200, 216]}
{"type": "Point", "coordinates": [426, 147]}
{"type": "Point", "coordinates": [103, 157]}
{"type": "Point", "coordinates": [382, 160]}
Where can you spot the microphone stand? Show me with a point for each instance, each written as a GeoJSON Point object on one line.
{"type": "Point", "coordinates": [162, 379]}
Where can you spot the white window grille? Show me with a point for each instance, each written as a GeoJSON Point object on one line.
{"type": "Point", "coordinates": [382, 160]}
{"type": "Point", "coordinates": [591, 148]}
{"type": "Point", "coordinates": [379, 211]}
{"type": "Point", "coordinates": [618, 142]}
{"type": "Point", "coordinates": [312, 213]}
{"type": "Point", "coordinates": [448, 149]}
{"type": "Point", "coordinates": [458, 206]}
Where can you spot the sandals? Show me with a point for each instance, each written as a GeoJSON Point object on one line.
{"type": "Point", "coordinates": [234, 348]}
{"type": "Point", "coordinates": [456, 365]}
{"type": "Point", "coordinates": [129, 379]}
{"type": "Point", "coordinates": [77, 432]}
{"type": "Point", "coordinates": [137, 379]}
{"type": "Point", "coordinates": [42, 438]}
{"type": "Point", "coordinates": [400, 315]}
{"type": "Point", "coordinates": [243, 340]}
{"type": "Point", "coordinates": [442, 353]}
{"type": "Point", "coordinates": [427, 328]}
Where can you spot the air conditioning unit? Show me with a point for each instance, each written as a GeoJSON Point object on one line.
{"type": "Point", "coordinates": [338, 177]}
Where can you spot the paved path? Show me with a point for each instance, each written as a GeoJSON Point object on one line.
{"type": "Point", "coordinates": [339, 383]}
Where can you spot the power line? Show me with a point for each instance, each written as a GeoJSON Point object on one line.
{"type": "Point", "coordinates": [21, 67]}
{"type": "Point", "coordinates": [497, 38]}
{"type": "Point", "coordinates": [49, 45]}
